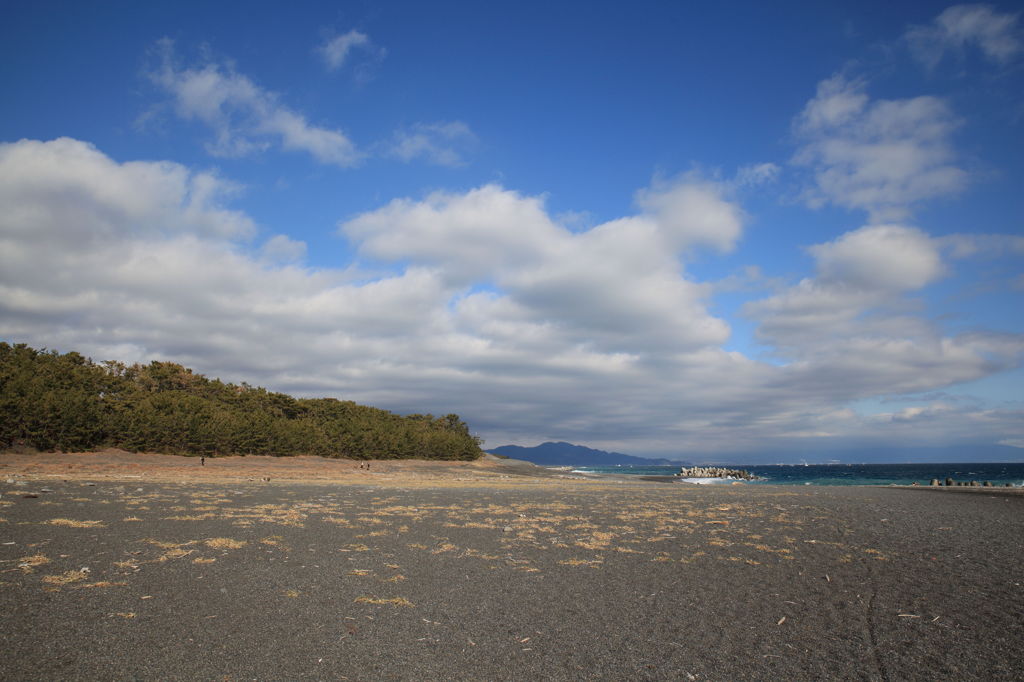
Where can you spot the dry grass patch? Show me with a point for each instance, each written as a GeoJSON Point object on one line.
{"type": "Point", "coordinates": [443, 547]}
{"type": "Point", "coordinates": [102, 583]}
{"type": "Point", "coordinates": [202, 560]}
{"type": "Point", "coordinates": [357, 548]}
{"type": "Point", "coordinates": [71, 523]}
{"type": "Point", "coordinates": [176, 553]}
{"type": "Point", "coordinates": [225, 543]}
{"type": "Point", "coordinates": [28, 563]}
{"type": "Point", "coordinates": [597, 540]}
{"type": "Point", "coordinates": [394, 601]}
{"type": "Point", "coordinates": [581, 562]}
{"type": "Point", "coordinates": [581, 526]}
{"type": "Point", "coordinates": [168, 545]}
{"type": "Point", "coordinates": [66, 578]}
{"type": "Point", "coordinates": [270, 513]}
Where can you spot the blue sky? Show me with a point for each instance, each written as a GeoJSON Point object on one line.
{"type": "Point", "coordinates": [655, 228]}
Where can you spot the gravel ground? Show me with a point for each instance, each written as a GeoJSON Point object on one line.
{"type": "Point", "coordinates": [576, 580]}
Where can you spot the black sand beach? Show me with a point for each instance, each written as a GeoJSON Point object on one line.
{"type": "Point", "coordinates": [575, 580]}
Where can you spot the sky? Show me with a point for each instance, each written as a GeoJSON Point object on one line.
{"type": "Point", "coordinates": [665, 229]}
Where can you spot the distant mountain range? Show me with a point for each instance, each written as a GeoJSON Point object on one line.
{"type": "Point", "coordinates": [567, 454]}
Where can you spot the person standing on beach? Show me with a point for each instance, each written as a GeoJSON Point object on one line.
{"type": "Point", "coordinates": [202, 461]}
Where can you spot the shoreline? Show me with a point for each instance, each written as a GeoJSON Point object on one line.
{"type": "Point", "coordinates": [121, 465]}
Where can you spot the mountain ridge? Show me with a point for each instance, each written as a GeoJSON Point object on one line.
{"type": "Point", "coordinates": [560, 453]}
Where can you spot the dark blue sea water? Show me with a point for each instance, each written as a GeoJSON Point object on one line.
{"type": "Point", "coordinates": [851, 474]}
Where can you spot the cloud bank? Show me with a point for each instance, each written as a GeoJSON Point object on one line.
{"type": "Point", "coordinates": [492, 309]}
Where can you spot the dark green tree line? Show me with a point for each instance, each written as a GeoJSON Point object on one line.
{"type": "Point", "coordinates": [53, 401]}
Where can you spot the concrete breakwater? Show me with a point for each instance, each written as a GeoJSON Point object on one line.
{"type": "Point", "coordinates": [715, 472]}
{"type": "Point", "coordinates": [971, 484]}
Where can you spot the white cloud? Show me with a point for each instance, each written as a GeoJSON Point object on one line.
{"type": "Point", "coordinates": [468, 236]}
{"type": "Point", "coordinates": [442, 144]}
{"type": "Point", "coordinates": [879, 257]}
{"type": "Point", "coordinates": [987, 245]}
{"type": "Point", "coordinates": [335, 50]}
{"type": "Point", "coordinates": [866, 270]}
{"type": "Point", "coordinates": [850, 331]}
{"type": "Point", "coordinates": [757, 174]}
{"type": "Point", "coordinates": [95, 200]}
{"type": "Point", "coordinates": [283, 249]}
{"type": "Point", "coordinates": [613, 287]}
{"type": "Point", "coordinates": [244, 117]}
{"type": "Point", "coordinates": [493, 309]}
{"type": "Point", "coordinates": [962, 26]}
{"type": "Point", "coordinates": [883, 156]}
{"type": "Point", "coordinates": [690, 212]}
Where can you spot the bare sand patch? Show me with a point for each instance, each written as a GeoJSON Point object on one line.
{"type": "Point", "coordinates": [120, 465]}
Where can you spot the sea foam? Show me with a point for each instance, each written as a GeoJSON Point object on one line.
{"type": "Point", "coordinates": [708, 481]}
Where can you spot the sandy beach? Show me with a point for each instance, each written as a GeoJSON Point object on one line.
{"type": "Point", "coordinates": [116, 566]}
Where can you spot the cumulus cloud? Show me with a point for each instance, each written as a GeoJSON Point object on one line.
{"type": "Point", "coordinates": [244, 117]}
{"type": "Point", "coordinates": [692, 212]}
{"type": "Point", "coordinates": [442, 144]}
{"type": "Point", "coordinates": [880, 156]}
{"type": "Point", "coordinates": [996, 34]}
{"type": "Point", "coordinates": [865, 270]}
{"type": "Point", "coordinates": [491, 308]}
{"type": "Point", "coordinates": [879, 257]}
{"type": "Point", "coordinates": [614, 287]}
{"type": "Point", "coordinates": [850, 330]}
{"type": "Point", "coordinates": [89, 198]}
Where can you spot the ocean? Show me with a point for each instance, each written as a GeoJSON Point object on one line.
{"type": "Point", "coordinates": [849, 474]}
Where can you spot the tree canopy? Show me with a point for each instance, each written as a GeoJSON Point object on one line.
{"type": "Point", "coordinates": [53, 401]}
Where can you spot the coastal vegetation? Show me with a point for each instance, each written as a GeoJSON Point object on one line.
{"type": "Point", "coordinates": [54, 401]}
